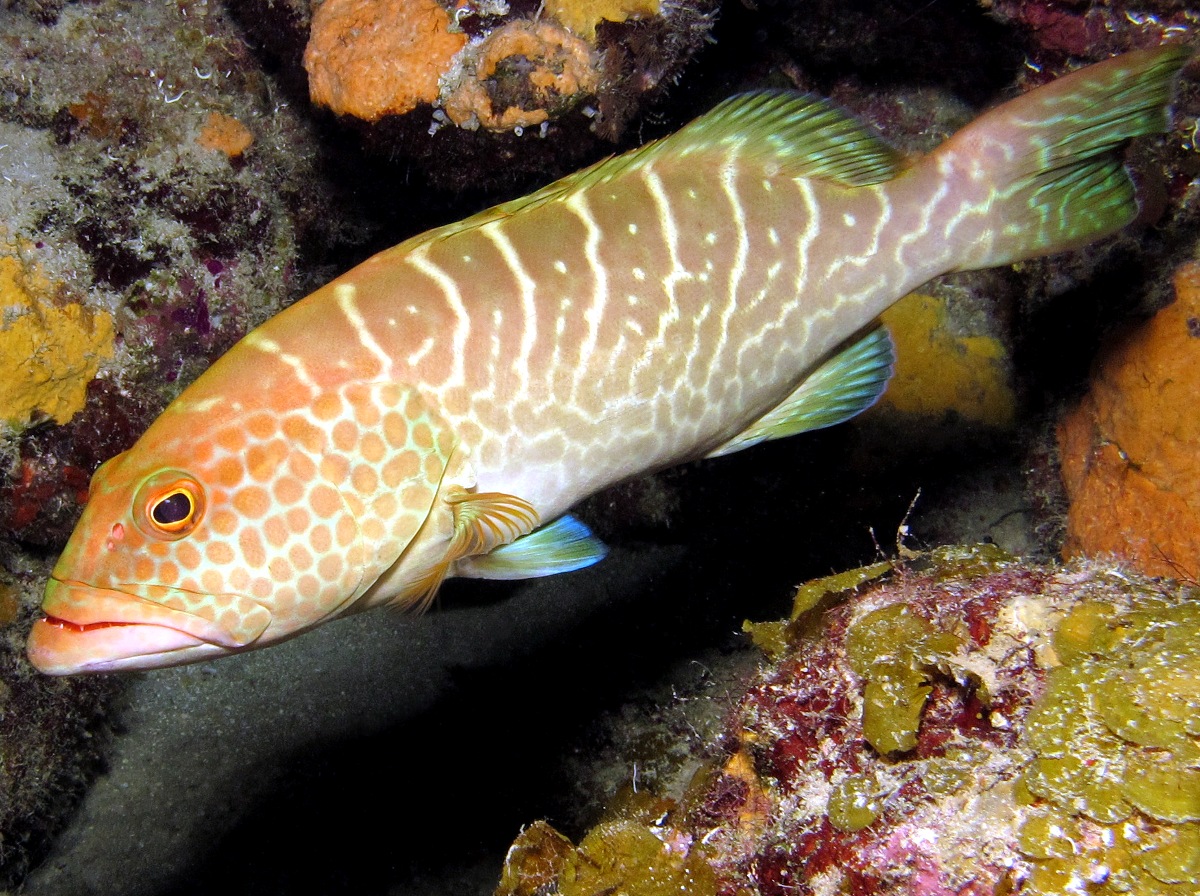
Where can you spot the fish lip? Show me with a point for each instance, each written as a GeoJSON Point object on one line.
{"type": "Point", "coordinates": [66, 649]}
{"type": "Point", "coordinates": [89, 628]}
{"type": "Point", "coordinates": [84, 605]}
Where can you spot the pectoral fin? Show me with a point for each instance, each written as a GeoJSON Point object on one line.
{"type": "Point", "coordinates": [483, 521]}
{"type": "Point", "coordinates": [845, 385]}
{"type": "Point", "coordinates": [561, 546]}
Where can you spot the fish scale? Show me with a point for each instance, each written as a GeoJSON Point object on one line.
{"type": "Point", "coordinates": [436, 410]}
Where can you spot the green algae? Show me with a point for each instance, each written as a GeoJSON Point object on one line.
{"type": "Point", "coordinates": [956, 770]}
{"type": "Point", "coordinates": [1177, 859]}
{"type": "Point", "coordinates": [632, 853]}
{"type": "Point", "coordinates": [772, 638]}
{"type": "Point", "coordinates": [967, 561]}
{"type": "Point", "coordinates": [777, 637]}
{"type": "Point", "coordinates": [1091, 788]}
{"type": "Point", "coordinates": [896, 653]}
{"type": "Point", "coordinates": [626, 857]}
{"type": "Point", "coordinates": [857, 800]}
{"type": "Point", "coordinates": [810, 594]}
{"type": "Point", "coordinates": [1117, 752]}
{"type": "Point", "coordinates": [534, 861]}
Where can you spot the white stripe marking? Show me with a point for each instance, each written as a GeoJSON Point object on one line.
{"type": "Point", "coordinates": [266, 344]}
{"type": "Point", "coordinates": [594, 313]}
{"type": "Point", "coordinates": [738, 269]}
{"type": "Point", "coordinates": [419, 259]}
{"type": "Point", "coordinates": [666, 221]}
{"type": "Point", "coordinates": [343, 293]}
{"type": "Point", "coordinates": [528, 287]}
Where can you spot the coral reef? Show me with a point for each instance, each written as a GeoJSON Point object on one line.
{"type": "Point", "coordinates": [156, 200]}
{"type": "Point", "coordinates": [958, 723]}
{"type": "Point", "coordinates": [53, 734]}
{"type": "Point", "coordinates": [146, 228]}
{"type": "Point", "coordinates": [520, 75]}
{"type": "Point", "coordinates": [162, 176]}
{"type": "Point", "coordinates": [1130, 449]}
{"type": "Point", "coordinates": [226, 134]}
{"type": "Point", "coordinates": [1115, 784]}
{"type": "Point", "coordinates": [1057, 29]}
{"type": "Point", "coordinates": [583, 16]}
{"type": "Point", "coordinates": [481, 94]}
{"type": "Point", "coordinates": [369, 59]}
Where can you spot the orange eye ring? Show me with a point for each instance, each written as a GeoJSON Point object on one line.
{"type": "Point", "coordinates": [169, 505]}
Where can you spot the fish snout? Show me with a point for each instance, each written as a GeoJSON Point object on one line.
{"type": "Point", "coordinates": [89, 629]}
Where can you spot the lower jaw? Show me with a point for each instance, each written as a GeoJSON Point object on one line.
{"type": "Point", "coordinates": [62, 648]}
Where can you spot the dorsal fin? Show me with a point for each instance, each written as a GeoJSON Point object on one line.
{"type": "Point", "coordinates": [797, 134]}
{"type": "Point", "coordinates": [784, 132]}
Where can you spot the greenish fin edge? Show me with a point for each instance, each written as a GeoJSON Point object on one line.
{"type": "Point", "coordinates": [844, 386]}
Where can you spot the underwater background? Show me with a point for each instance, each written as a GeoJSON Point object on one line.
{"type": "Point", "coordinates": [174, 173]}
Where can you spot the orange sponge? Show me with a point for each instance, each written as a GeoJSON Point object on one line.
{"type": "Point", "coordinates": [371, 58]}
{"type": "Point", "coordinates": [521, 73]}
{"type": "Point", "coordinates": [1131, 449]}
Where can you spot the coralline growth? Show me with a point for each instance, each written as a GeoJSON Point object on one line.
{"type": "Point", "coordinates": [480, 64]}
{"type": "Point", "coordinates": [963, 723]}
{"type": "Point", "coordinates": [480, 92]}
{"type": "Point", "coordinates": [370, 58]}
{"type": "Point", "coordinates": [943, 370]}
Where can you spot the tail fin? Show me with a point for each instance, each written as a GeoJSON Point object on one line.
{"type": "Point", "coordinates": [1049, 161]}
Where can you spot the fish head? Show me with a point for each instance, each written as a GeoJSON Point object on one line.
{"type": "Point", "coordinates": [261, 529]}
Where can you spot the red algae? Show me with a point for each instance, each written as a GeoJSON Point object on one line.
{"type": "Point", "coordinates": [1060, 29]}
{"type": "Point", "coordinates": [1015, 662]}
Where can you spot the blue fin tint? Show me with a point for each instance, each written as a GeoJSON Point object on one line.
{"type": "Point", "coordinates": [561, 546]}
{"type": "Point", "coordinates": [845, 385]}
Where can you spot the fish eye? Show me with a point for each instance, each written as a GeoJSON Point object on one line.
{"type": "Point", "coordinates": [173, 511]}
{"type": "Point", "coordinates": [169, 505]}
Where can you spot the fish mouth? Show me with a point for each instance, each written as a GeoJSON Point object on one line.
{"type": "Point", "coordinates": [59, 647]}
{"type": "Point", "coordinates": [91, 629]}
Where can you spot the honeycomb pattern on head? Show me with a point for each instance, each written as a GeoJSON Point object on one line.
{"type": "Point", "coordinates": [296, 511]}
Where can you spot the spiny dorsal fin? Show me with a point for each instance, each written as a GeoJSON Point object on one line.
{"type": "Point", "coordinates": [844, 386]}
{"type": "Point", "coordinates": [788, 133]}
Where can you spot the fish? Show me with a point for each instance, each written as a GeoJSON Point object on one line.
{"type": "Point", "coordinates": [437, 410]}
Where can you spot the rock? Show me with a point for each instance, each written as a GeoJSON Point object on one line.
{"type": "Point", "coordinates": [962, 722]}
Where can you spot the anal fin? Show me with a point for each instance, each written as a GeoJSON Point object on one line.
{"type": "Point", "coordinates": [842, 387]}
